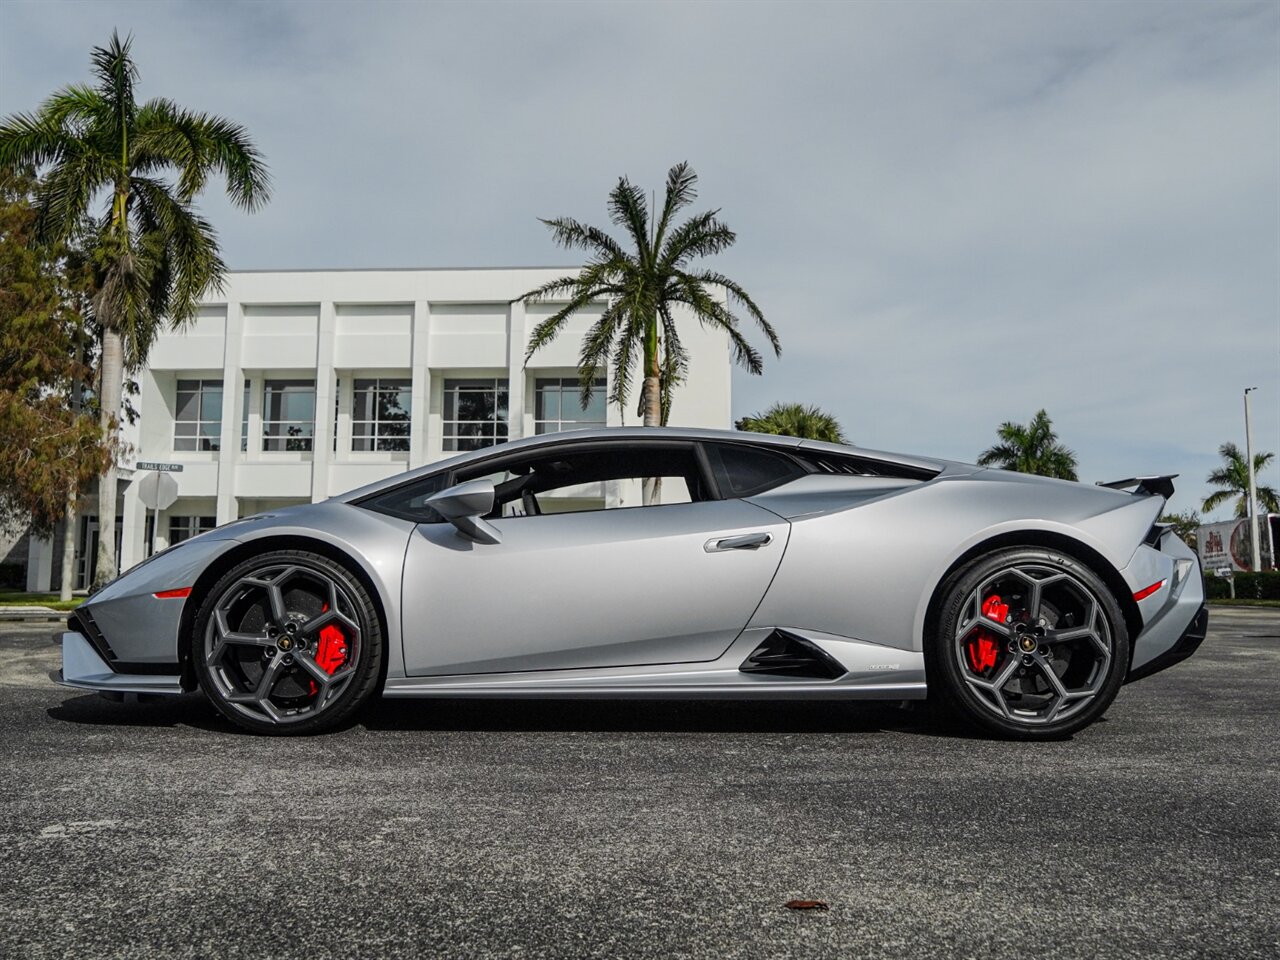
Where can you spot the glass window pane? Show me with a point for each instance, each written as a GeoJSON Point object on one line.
{"type": "Point", "coordinates": [211, 399]}
{"type": "Point", "coordinates": [548, 401]}
{"type": "Point", "coordinates": [362, 404]}
{"type": "Point", "coordinates": [188, 406]}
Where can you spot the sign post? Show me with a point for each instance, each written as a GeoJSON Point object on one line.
{"type": "Point", "coordinates": [157, 491]}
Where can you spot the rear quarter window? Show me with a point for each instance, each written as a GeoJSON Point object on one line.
{"type": "Point", "coordinates": [742, 470]}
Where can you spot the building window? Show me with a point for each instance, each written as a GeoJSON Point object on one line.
{"type": "Point", "coordinates": [558, 405]}
{"type": "Point", "coordinates": [197, 422]}
{"type": "Point", "coordinates": [184, 528]}
{"type": "Point", "coordinates": [380, 415]}
{"type": "Point", "coordinates": [288, 414]}
{"type": "Point", "coordinates": [475, 413]}
{"type": "Point", "coordinates": [244, 420]}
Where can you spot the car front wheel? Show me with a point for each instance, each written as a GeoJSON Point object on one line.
{"type": "Point", "coordinates": [287, 643]}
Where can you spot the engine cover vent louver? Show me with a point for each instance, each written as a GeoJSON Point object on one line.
{"type": "Point", "coordinates": [785, 654]}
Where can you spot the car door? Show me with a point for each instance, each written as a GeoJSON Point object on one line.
{"type": "Point", "coordinates": [595, 587]}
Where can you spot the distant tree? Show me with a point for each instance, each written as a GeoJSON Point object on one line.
{"type": "Point", "coordinates": [52, 447]}
{"type": "Point", "coordinates": [1186, 525]}
{"type": "Point", "coordinates": [640, 289]}
{"type": "Point", "coordinates": [154, 256]}
{"type": "Point", "coordinates": [1031, 449]}
{"type": "Point", "coordinates": [795, 420]}
{"type": "Point", "coordinates": [1233, 478]}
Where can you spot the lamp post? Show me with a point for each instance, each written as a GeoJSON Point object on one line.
{"type": "Point", "coordinates": [1255, 547]}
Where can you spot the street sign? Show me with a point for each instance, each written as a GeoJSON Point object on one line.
{"type": "Point", "coordinates": [157, 491]}
{"type": "Point", "coordinates": [158, 467]}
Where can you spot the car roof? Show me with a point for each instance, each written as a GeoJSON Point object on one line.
{"type": "Point", "coordinates": [623, 435]}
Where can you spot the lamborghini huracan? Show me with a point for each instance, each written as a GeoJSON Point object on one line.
{"type": "Point", "coordinates": [664, 563]}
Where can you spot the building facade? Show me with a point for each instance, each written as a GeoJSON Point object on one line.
{"type": "Point", "coordinates": [293, 386]}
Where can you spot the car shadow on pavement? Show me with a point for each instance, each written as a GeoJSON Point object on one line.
{"type": "Point", "coordinates": [533, 716]}
{"type": "Point", "coordinates": [657, 716]}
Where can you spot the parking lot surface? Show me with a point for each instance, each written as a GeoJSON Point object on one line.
{"type": "Point", "coordinates": [645, 829]}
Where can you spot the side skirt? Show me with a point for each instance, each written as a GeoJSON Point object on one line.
{"type": "Point", "coordinates": [872, 672]}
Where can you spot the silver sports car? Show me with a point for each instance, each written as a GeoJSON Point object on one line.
{"type": "Point", "coordinates": [664, 563]}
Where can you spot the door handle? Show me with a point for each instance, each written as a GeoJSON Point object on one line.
{"type": "Point", "coordinates": [745, 541]}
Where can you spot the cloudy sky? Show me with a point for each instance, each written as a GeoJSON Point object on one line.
{"type": "Point", "coordinates": [954, 213]}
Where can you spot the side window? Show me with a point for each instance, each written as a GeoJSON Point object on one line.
{"type": "Point", "coordinates": [568, 481]}
{"type": "Point", "coordinates": [410, 501]}
{"type": "Point", "coordinates": [743, 470]}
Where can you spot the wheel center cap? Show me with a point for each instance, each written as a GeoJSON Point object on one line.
{"type": "Point", "coordinates": [1027, 642]}
{"type": "Point", "coordinates": [285, 642]}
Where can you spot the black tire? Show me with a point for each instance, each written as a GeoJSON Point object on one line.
{"type": "Point", "coordinates": [991, 662]}
{"type": "Point", "coordinates": [272, 629]}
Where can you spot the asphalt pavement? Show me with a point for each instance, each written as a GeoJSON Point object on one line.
{"type": "Point", "coordinates": [640, 829]}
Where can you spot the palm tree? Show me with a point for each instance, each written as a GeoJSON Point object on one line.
{"type": "Point", "coordinates": [795, 420]}
{"type": "Point", "coordinates": [154, 257]}
{"type": "Point", "coordinates": [1233, 477]}
{"type": "Point", "coordinates": [1031, 449]}
{"type": "Point", "coordinates": [641, 288]}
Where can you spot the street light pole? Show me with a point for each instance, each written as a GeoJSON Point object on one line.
{"type": "Point", "coordinates": [1254, 543]}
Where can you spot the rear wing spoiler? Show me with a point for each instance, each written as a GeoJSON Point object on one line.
{"type": "Point", "coordinates": [1145, 486]}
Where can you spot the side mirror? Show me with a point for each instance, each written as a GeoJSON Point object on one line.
{"type": "Point", "coordinates": [464, 505]}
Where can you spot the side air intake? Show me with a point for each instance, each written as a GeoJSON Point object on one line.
{"type": "Point", "coordinates": [786, 655]}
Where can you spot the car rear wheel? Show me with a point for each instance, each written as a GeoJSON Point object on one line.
{"type": "Point", "coordinates": [1031, 644]}
{"type": "Point", "coordinates": [287, 643]}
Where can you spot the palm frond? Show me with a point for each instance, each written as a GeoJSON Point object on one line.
{"type": "Point", "coordinates": [117, 75]}
{"type": "Point", "coordinates": [548, 329]}
{"type": "Point", "coordinates": [680, 192]}
{"type": "Point", "coordinates": [572, 235]}
{"type": "Point", "coordinates": [702, 235]}
{"type": "Point", "coordinates": [737, 293]}
{"type": "Point", "coordinates": [31, 139]}
{"type": "Point", "coordinates": [190, 245]}
{"type": "Point", "coordinates": [627, 208]}
{"type": "Point", "coordinates": [65, 194]}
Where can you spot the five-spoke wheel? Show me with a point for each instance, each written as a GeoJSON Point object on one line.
{"type": "Point", "coordinates": [287, 642]}
{"type": "Point", "coordinates": [1031, 644]}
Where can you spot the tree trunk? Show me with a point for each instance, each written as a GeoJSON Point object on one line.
{"type": "Point", "coordinates": [112, 388]}
{"type": "Point", "coordinates": [68, 547]}
{"type": "Point", "coordinates": [652, 418]}
{"type": "Point", "coordinates": [652, 402]}
{"type": "Point", "coordinates": [69, 512]}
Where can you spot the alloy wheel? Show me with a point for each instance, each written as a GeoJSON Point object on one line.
{"type": "Point", "coordinates": [282, 643]}
{"type": "Point", "coordinates": [1033, 644]}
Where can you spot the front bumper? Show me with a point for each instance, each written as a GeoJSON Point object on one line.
{"type": "Point", "coordinates": [84, 669]}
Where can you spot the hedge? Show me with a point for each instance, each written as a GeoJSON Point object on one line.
{"type": "Point", "coordinates": [1249, 586]}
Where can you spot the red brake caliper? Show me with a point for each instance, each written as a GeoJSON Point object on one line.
{"type": "Point", "coordinates": [331, 649]}
{"type": "Point", "coordinates": [984, 647]}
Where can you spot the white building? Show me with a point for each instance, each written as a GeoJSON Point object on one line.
{"type": "Point", "coordinates": [293, 386]}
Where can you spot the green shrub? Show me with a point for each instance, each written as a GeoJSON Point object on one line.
{"type": "Point", "coordinates": [1216, 588]}
{"type": "Point", "coordinates": [1258, 586]}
